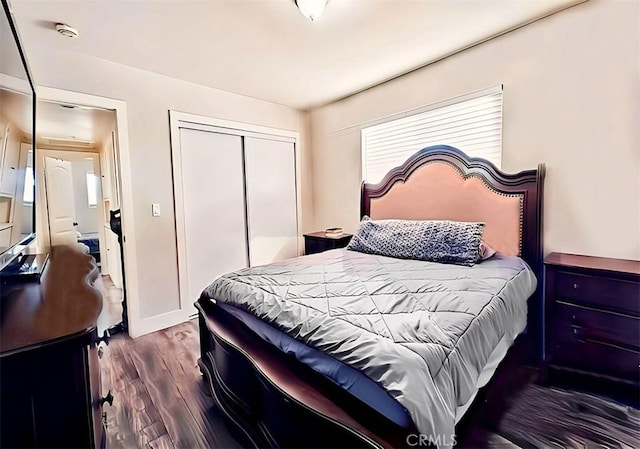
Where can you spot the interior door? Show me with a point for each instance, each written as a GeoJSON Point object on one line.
{"type": "Point", "coordinates": [213, 207]}
{"type": "Point", "coordinates": [271, 200]}
{"type": "Point", "coordinates": [60, 201]}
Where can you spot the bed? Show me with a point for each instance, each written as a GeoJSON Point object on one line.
{"type": "Point", "coordinates": [91, 240]}
{"type": "Point", "coordinates": [374, 351]}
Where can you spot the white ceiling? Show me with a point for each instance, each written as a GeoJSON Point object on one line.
{"type": "Point", "coordinates": [74, 125]}
{"type": "Point", "coordinates": [265, 48]}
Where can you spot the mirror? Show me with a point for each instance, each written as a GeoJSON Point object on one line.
{"type": "Point", "coordinates": [17, 128]}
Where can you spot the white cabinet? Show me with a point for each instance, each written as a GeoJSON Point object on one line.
{"type": "Point", "coordinates": [4, 144]}
{"type": "Point", "coordinates": [9, 161]}
{"type": "Point", "coordinates": [9, 158]}
{"type": "Point", "coordinates": [5, 236]}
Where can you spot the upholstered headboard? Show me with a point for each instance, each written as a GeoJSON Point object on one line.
{"type": "Point", "coordinates": [442, 183]}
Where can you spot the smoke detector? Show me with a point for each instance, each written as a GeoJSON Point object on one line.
{"type": "Point", "coordinates": [66, 30]}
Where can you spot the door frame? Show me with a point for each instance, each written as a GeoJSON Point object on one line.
{"type": "Point", "coordinates": [179, 120]}
{"type": "Point", "coordinates": [136, 325]}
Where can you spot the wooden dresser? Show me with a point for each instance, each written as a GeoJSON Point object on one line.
{"type": "Point", "coordinates": [50, 384]}
{"type": "Point", "coordinates": [592, 321]}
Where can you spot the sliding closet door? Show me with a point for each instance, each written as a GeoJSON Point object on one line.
{"type": "Point", "coordinates": [271, 200]}
{"type": "Point", "coordinates": [214, 210]}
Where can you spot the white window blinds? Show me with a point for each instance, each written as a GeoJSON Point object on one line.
{"type": "Point", "coordinates": [472, 123]}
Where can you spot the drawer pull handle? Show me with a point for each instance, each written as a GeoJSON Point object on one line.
{"type": "Point", "coordinates": [575, 285]}
{"type": "Point", "coordinates": [108, 398]}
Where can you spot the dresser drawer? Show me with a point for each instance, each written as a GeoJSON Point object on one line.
{"type": "Point", "coordinates": [612, 294]}
{"type": "Point", "coordinates": [597, 357]}
{"type": "Point", "coordinates": [570, 321]}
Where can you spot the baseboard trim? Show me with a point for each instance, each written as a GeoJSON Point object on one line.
{"type": "Point", "coordinates": [158, 322]}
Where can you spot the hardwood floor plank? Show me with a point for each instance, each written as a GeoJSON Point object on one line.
{"type": "Point", "coordinates": [153, 432]}
{"type": "Point", "coordinates": [120, 433]}
{"type": "Point", "coordinates": [132, 409]}
{"type": "Point", "coordinates": [163, 442]}
{"type": "Point", "coordinates": [180, 424]}
{"type": "Point", "coordinates": [177, 349]}
{"type": "Point", "coordinates": [481, 438]}
{"type": "Point", "coordinates": [545, 417]}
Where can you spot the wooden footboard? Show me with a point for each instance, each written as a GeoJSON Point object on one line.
{"type": "Point", "coordinates": [278, 402]}
{"type": "Point", "coordinates": [272, 400]}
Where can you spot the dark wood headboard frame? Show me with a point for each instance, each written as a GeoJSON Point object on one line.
{"type": "Point", "coordinates": [528, 183]}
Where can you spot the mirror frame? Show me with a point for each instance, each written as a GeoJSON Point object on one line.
{"type": "Point", "coordinates": [18, 247]}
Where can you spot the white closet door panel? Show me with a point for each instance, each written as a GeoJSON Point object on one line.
{"type": "Point", "coordinates": [271, 200]}
{"type": "Point", "coordinates": [214, 208]}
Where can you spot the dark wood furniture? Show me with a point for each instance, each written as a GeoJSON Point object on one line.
{"type": "Point", "coordinates": [50, 385]}
{"type": "Point", "coordinates": [592, 316]}
{"type": "Point", "coordinates": [274, 400]}
{"type": "Point", "coordinates": [317, 242]}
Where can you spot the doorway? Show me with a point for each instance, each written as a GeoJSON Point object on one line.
{"type": "Point", "coordinates": [78, 193]}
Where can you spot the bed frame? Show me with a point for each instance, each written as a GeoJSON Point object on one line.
{"type": "Point", "coordinates": [276, 401]}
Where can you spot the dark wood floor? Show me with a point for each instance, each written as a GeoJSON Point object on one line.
{"type": "Point", "coordinates": [161, 402]}
{"type": "Point", "coordinates": [160, 398]}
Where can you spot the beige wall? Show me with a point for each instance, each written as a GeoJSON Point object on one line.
{"type": "Point", "coordinates": [571, 100]}
{"type": "Point", "coordinates": [149, 97]}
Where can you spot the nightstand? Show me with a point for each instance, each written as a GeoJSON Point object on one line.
{"type": "Point", "coordinates": [317, 242]}
{"type": "Point", "coordinates": [592, 320]}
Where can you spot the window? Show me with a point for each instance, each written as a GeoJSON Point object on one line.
{"type": "Point", "coordinates": [29, 181]}
{"type": "Point", "coordinates": [472, 123]}
{"type": "Point", "coordinates": [92, 189]}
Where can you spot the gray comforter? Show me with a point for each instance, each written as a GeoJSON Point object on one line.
{"type": "Point", "coordinates": [421, 330]}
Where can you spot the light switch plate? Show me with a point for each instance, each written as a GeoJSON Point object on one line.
{"type": "Point", "coordinates": [155, 209]}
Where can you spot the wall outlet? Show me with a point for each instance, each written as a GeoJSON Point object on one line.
{"type": "Point", "coordinates": [155, 209]}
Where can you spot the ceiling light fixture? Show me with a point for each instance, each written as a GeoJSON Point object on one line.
{"type": "Point", "coordinates": [311, 9]}
{"type": "Point", "coordinates": [66, 30]}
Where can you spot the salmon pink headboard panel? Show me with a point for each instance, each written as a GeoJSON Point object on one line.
{"type": "Point", "coordinates": [442, 183]}
{"type": "Point", "coordinates": [438, 191]}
